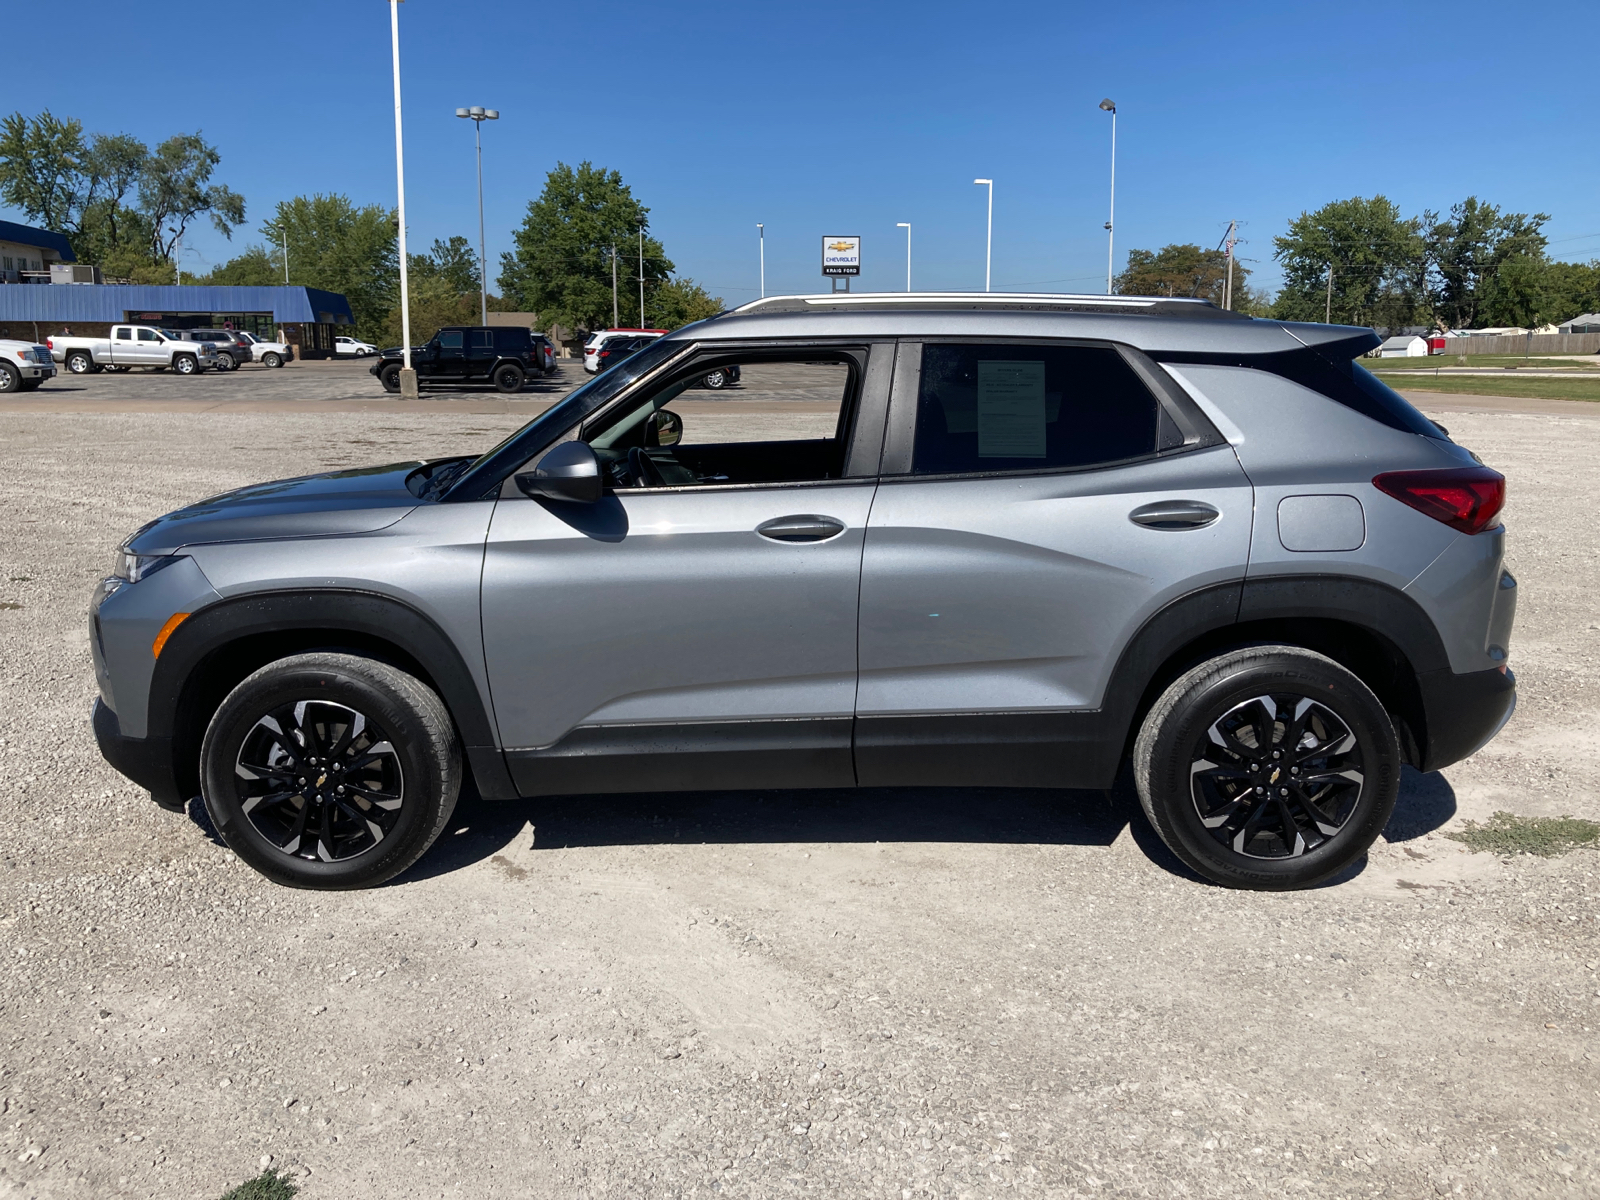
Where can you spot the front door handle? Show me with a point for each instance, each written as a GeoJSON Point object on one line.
{"type": "Point", "coordinates": [1174, 514]}
{"type": "Point", "coordinates": [805, 528]}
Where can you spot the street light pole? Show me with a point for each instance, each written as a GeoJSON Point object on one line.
{"type": "Point", "coordinates": [641, 278]}
{"type": "Point", "coordinates": [478, 115]}
{"type": "Point", "coordinates": [761, 237]}
{"type": "Point", "coordinates": [177, 254]}
{"type": "Point", "coordinates": [615, 321]}
{"type": "Point", "coordinates": [1111, 108]}
{"type": "Point", "coordinates": [906, 225]}
{"type": "Point", "coordinates": [408, 376]}
{"type": "Point", "coordinates": [988, 246]}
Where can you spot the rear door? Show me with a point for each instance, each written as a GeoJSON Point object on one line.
{"type": "Point", "coordinates": [450, 361]}
{"type": "Point", "coordinates": [1016, 544]}
{"type": "Point", "coordinates": [481, 353]}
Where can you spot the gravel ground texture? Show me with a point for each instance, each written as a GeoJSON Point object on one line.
{"type": "Point", "coordinates": [911, 993]}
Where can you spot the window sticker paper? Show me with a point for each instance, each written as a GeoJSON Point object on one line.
{"type": "Point", "coordinates": [1011, 409]}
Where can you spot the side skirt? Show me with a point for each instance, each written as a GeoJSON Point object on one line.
{"type": "Point", "coordinates": [1025, 749]}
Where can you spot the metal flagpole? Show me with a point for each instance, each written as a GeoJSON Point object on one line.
{"type": "Point", "coordinates": [400, 181]}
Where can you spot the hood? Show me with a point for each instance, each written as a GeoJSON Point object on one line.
{"type": "Point", "coordinates": [339, 502]}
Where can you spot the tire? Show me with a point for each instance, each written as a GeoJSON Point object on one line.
{"type": "Point", "coordinates": [225, 362]}
{"type": "Point", "coordinates": [80, 362]}
{"type": "Point", "coordinates": [185, 364]}
{"type": "Point", "coordinates": [10, 378]}
{"type": "Point", "coordinates": [390, 377]}
{"type": "Point", "coordinates": [260, 737]}
{"type": "Point", "coordinates": [272, 359]}
{"type": "Point", "coordinates": [716, 381]}
{"type": "Point", "coordinates": [508, 378]}
{"type": "Point", "coordinates": [1210, 816]}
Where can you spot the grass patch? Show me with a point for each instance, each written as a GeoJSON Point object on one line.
{"type": "Point", "coordinates": [269, 1185]}
{"type": "Point", "coordinates": [1506, 833]}
{"type": "Point", "coordinates": [1548, 362]}
{"type": "Point", "coordinates": [1547, 388]}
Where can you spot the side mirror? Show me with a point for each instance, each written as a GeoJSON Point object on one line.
{"type": "Point", "coordinates": [570, 472]}
{"type": "Point", "coordinates": [665, 429]}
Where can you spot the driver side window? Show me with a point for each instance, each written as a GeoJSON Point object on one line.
{"type": "Point", "coordinates": [763, 419]}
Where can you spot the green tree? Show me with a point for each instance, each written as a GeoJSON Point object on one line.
{"type": "Point", "coordinates": [175, 188]}
{"type": "Point", "coordinates": [336, 246]}
{"type": "Point", "coordinates": [454, 261]}
{"type": "Point", "coordinates": [1467, 249]}
{"type": "Point", "coordinates": [1518, 292]}
{"type": "Point", "coordinates": [256, 267]}
{"type": "Point", "coordinates": [1572, 289]}
{"type": "Point", "coordinates": [563, 261]}
{"type": "Point", "coordinates": [43, 169]}
{"type": "Point", "coordinates": [677, 302]}
{"type": "Point", "coordinates": [1378, 259]}
{"type": "Point", "coordinates": [443, 284]}
{"type": "Point", "coordinates": [1182, 270]}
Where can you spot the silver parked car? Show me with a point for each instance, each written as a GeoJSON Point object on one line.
{"type": "Point", "coordinates": [930, 540]}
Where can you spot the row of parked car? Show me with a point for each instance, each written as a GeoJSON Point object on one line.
{"type": "Point", "coordinates": [185, 352]}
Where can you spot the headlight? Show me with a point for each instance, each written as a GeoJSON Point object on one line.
{"type": "Point", "coordinates": [130, 567]}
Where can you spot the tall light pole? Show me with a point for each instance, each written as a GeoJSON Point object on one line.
{"type": "Point", "coordinates": [641, 278]}
{"type": "Point", "coordinates": [1110, 107]}
{"type": "Point", "coordinates": [761, 237]}
{"type": "Point", "coordinates": [988, 247]}
{"type": "Point", "coordinates": [408, 376]}
{"type": "Point", "coordinates": [177, 254]}
{"type": "Point", "coordinates": [478, 115]}
{"type": "Point", "coordinates": [906, 225]}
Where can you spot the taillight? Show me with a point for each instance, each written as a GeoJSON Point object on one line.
{"type": "Point", "coordinates": [1464, 498]}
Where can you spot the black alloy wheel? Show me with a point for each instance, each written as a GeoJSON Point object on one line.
{"type": "Point", "coordinates": [508, 378]}
{"type": "Point", "coordinates": [1271, 767]}
{"type": "Point", "coordinates": [319, 780]}
{"type": "Point", "coordinates": [390, 377]}
{"type": "Point", "coordinates": [1276, 776]}
{"type": "Point", "coordinates": [330, 770]}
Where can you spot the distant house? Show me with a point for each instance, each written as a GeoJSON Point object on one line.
{"type": "Point", "coordinates": [1403, 346]}
{"type": "Point", "coordinates": [26, 253]}
{"type": "Point", "coordinates": [1582, 323]}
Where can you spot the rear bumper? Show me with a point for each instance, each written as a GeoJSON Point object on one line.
{"type": "Point", "coordinates": [146, 761]}
{"type": "Point", "coordinates": [1463, 713]}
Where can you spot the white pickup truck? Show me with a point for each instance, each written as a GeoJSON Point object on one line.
{"type": "Point", "coordinates": [23, 366]}
{"type": "Point", "coordinates": [133, 346]}
{"type": "Point", "coordinates": [264, 350]}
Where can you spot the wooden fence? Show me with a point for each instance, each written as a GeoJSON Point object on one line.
{"type": "Point", "coordinates": [1521, 343]}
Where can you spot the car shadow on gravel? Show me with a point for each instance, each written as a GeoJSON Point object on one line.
{"type": "Point", "coordinates": [481, 829]}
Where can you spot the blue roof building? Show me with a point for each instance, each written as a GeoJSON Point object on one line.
{"type": "Point", "coordinates": [307, 316]}
{"type": "Point", "coordinates": [24, 248]}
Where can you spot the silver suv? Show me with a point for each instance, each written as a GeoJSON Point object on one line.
{"type": "Point", "coordinates": [928, 540]}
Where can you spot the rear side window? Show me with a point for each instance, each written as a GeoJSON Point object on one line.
{"type": "Point", "coordinates": [512, 339]}
{"type": "Point", "coordinates": [1352, 385]}
{"type": "Point", "coordinates": [985, 408]}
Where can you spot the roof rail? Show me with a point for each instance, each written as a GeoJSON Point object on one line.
{"type": "Point", "coordinates": [1166, 306]}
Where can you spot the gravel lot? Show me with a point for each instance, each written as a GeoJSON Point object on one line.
{"type": "Point", "coordinates": [878, 993]}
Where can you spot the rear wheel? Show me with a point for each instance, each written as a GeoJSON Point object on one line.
{"type": "Point", "coordinates": [80, 362]}
{"type": "Point", "coordinates": [1268, 768]}
{"type": "Point", "coordinates": [272, 359]}
{"type": "Point", "coordinates": [508, 378]}
{"type": "Point", "coordinates": [330, 770]}
{"type": "Point", "coordinates": [715, 381]}
{"type": "Point", "coordinates": [225, 362]}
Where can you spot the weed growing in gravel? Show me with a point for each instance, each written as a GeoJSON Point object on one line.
{"type": "Point", "coordinates": [269, 1185]}
{"type": "Point", "coordinates": [1507, 833]}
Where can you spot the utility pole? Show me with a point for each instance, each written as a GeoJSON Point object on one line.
{"type": "Point", "coordinates": [1327, 316]}
{"type": "Point", "coordinates": [1227, 288]}
{"type": "Point", "coordinates": [641, 277]}
{"type": "Point", "coordinates": [614, 321]}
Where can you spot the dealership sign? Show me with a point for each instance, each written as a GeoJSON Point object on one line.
{"type": "Point", "coordinates": [841, 256]}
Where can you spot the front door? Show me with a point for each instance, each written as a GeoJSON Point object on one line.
{"type": "Point", "coordinates": [149, 348]}
{"type": "Point", "coordinates": [696, 628]}
{"type": "Point", "coordinates": [1049, 503]}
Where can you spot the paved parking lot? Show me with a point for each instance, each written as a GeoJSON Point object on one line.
{"type": "Point", "coordinates": [844, 994]}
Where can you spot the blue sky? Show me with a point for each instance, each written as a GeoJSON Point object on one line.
{"type": "Point", "coordinates": [834, 118]}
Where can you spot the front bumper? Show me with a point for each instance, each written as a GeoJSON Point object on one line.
{"type": "Point", "coordinates": [146, 761]}
{"type": "Point", "coordinates": [33, 370]}
{"type": "Point", "coordinates": [1463, 713]}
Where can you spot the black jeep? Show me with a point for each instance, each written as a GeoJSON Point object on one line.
{"type": "Point", "coordinates": [504, 355]}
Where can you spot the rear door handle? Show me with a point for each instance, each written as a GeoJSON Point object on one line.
{"type": "Point", "coordinates": [1174, 514]}
{"type": "Point", "coordinates": [804, 528]}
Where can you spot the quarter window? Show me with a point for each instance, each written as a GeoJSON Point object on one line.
{"type": "Point", "coordinates": [482, 339]}
{"type": "Point", "coordinates": [986, 408]}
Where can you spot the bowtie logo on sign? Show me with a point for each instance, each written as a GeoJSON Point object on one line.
{"type": "Point", "coordinates": [841, 256]}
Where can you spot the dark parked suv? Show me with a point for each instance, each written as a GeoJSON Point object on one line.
{"type": "Point", "coordinates": [504, 355]}
{"type": "Point", "coordinates": [931, 540]}
{"type": "Point", "coordinates": [233, 349]}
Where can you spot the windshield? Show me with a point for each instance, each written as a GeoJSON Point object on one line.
{"type": "Point", "coordinates": [496, 464]}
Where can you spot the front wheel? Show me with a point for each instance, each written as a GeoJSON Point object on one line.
{"type": "Point", "coordinates": [390, 378]}
{"type": "Point", "coordinates": [1269, 768]}
{"type": "Point", "coordinates": [80, 362]}
{"type": "Point", "coordinates": [330, 770]}
{"type": "Point", "coordinates": [10, 378]}
{"type": "Point", "coordinates": [185, 364]}
{"type": "Point", "coordinates": [272, 359]}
